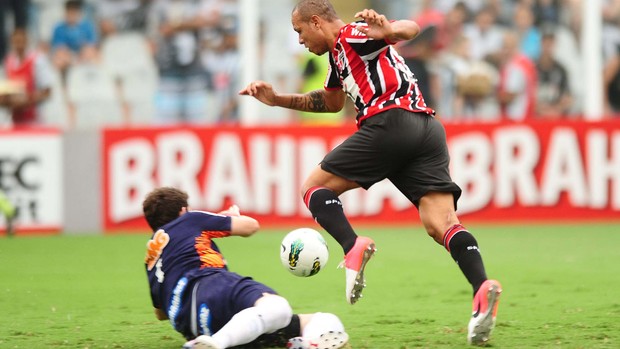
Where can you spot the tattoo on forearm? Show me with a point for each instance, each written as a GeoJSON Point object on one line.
{"type": "Point", "coordinates": [313, 101]}
{"type": "Point", "coordinates": [316, 102]}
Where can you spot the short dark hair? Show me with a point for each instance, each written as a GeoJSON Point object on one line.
{"type": "Point", "coordinates": [321, 8]}
{"type": "Point", "coordinates": [163, 205]}
{"type": "Point", "coordinates": [73, 5]}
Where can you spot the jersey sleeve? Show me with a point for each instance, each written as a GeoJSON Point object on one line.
{"type": "Point", "coordinates": [332, 81]}
{"type": "Point", "coordinates": [215, 225]}
{"type": "Point", "coordinates": [352, 40]}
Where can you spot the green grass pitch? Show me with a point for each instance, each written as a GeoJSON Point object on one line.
{"type": "Point", "coordinates": [561, 289]}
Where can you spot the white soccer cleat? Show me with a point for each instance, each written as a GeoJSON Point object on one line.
{"type": "Point", "coordinates": [329, 340]}
{"type": "Point", "coordinates": [354, 263]}
{"type": "Point", "coordinates": [202, 342]}
{"type": "Point", "coordinates": [484, 312]}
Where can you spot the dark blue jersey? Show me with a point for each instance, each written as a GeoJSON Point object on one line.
{"type": "Point", "coordinates": [182, 251]}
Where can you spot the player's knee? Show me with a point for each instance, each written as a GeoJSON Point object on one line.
{"type": "Point", "coordinates": [333, 320]}
{"type": "Point", "coordinates": [436, 235]}
{"type": "Point", "coordinates": [329, 320]}
{"type": "Point", "coordinates": [321, 323]}
{"type": "Point", "coordinates": [303, 191]}
{"type": "Point", "coordinates": [277, 314]}
{"type": "Point", "coordinates": [436, 229]}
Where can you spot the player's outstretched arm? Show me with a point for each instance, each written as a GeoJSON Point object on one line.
{"type": "Point", "coordinates": [240, 225]}
{"type": "Point", "coordinates": [243, 226]}
{"type": "Point", "coordinates": [318, 101]}
{"type": "Point", "coordinates": [379, 27]}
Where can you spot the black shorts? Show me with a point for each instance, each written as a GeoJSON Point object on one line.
{"type": "Point", "coordinates": [407, 148]}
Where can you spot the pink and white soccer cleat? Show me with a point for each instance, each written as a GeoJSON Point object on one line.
{"type": "Point", "coordinates": [354, 264]}
{"type": "Point", "coordinates": [484, 312]}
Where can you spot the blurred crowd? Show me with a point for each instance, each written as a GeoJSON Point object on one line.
{"type": "Point", "coordinates": [509, 59]}
{"type": "Point", "coordinates": [87, 63]}
{"type": "Point", "coordinates": [80, 63]}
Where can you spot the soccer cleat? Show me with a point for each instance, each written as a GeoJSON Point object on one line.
{"type": "Point", "coordinates": [329, 340]}
{"type": "Point", "coordinates": [484, 311]}
{"type": "Point", "coordinates": [202, 342]}
{"type": "Point", "coordinates": [354, 264]}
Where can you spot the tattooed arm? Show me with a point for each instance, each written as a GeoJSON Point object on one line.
{"type": "Point", "coordinates": [318, 101]}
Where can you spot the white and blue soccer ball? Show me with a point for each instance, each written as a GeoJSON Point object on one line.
{"type": "Point", "coordinates": [304, 252]}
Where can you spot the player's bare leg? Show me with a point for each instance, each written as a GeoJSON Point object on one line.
{"type": "Point", "coordinates": [320, 193]}
{"type": "Point", "coordinates": [440, 221]}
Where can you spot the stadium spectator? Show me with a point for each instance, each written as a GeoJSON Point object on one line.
{"type": "Point", "coordinates": [31, 72]}
{"type": "Point", "coordinates": [611, 11]}
{"type": "Point", "coordinates": [467, 85]}
{"type": "Point", "coordinates": [503, 11]}
{"type": "Point", "coordinates": [428, 15]}
{"type": "Point", "coordinates": [572, 12]}
{"type": "Point", "coordinates": [398, 138]}
{"type": "Point", "coordinates": [611, 56]}
{"type": "Point", "coordinates": [517, 84]}
{"type": "Point", "coordinates": [418, 55]}
{"type": "Point", "coordinates": [174, 30]}
{"type": "Point", "coordinates": [8, 210]}
{"type": "Point", "coordinates": [19, 9]}
{"type": "Point", "coordinates": [471, 5]}
{"type": "Point", "coordinates": [611, 78]}
{"type": "Point", "coordinates": [453, 26]}
{"type": "Point", "coordinates": [547, 12]}
{"type": "Point", "coordinates": [529, 34]}
{"type": "Point", "coordinates": [485, 37]}
{"type": "Point", "coordinates": [553, 93]}
{"type": "Point", "coordinates": [314, 69]}
{"type": "Point", "coordinates": [74, 39]}
{"type": "Point", "coordinates": [220, 57]}
{"type": "Point", "coordinates": [212, 307]}
{"type": "Point", "coordinates": [115, 16]}
{"type": "Point", "coordinates": [447, 25]}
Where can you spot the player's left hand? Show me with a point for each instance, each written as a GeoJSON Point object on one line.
{"type": "Point", "coordinates": [262, 91]}
{"type": "Point", "coordinates": [379, 27]}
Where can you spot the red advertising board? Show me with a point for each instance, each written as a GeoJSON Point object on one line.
{"type": "Point", "coordinates": [509, 172]}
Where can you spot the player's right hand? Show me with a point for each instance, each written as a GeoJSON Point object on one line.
{"type": "Point", "coordinates": [262, 91]}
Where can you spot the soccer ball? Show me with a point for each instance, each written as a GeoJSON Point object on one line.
{"type": "Point", "coordinates": [304, 252]}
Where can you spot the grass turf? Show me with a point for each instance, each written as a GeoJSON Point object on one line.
{"type": "Point", "coordinates": [560, 289]}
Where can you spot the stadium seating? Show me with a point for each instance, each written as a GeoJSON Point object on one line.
{"type": "Point", "coordinates": [91, 91]}
{"type": "Point", "coordinates": [127, 59]}
{"type": "Point", "coordinates": [54, 111]}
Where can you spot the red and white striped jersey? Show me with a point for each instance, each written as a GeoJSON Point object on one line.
{"type": "Point", "coordinates": [372, 74]}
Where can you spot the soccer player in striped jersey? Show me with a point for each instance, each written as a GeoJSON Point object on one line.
{"type": "Point", "coordinates": [398, 138]}
{"type": "Point", "coordinates": [212, 307]}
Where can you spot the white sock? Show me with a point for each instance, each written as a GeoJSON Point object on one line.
{"type": "Point", "coordinates": [321, 323]}
{"type": "Point", "coordinates": [271, 314]}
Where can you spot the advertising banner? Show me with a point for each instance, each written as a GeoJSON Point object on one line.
{"type": "Point", "coordinates": [508, 172]}
{"type": "Point", "coordinates": [31, 178]}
